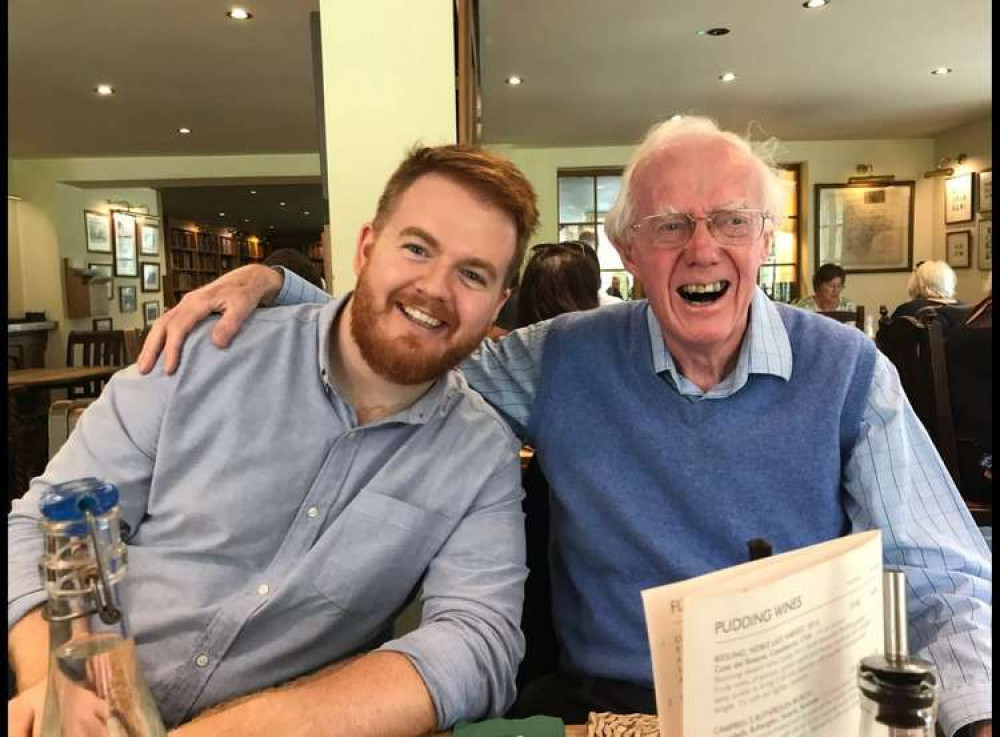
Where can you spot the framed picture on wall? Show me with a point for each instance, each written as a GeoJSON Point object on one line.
{"type": "Point", "coordinates": [102, 323]}
{"type": "Point", "coordinates": [127, 299]}
{"type": "Point", "coordinates": [150, 277]}
{"type": "Point", "coordinates": [98, 231]}
{"type": "Point", "coordinates": [986, 244]}
{"type": "Point", "coordinates": [105, 270]}
{"type": "Point", "coordinates": [865, 229]}
{"type": "Point", "coordinates": [123, 232]}
{"type": "Point", "coordinates": [150, 311]}
{"type": "Point", "coordinates": [958, 199]}
{"type": "Point", "coordinates": [149, 238]}
{"type": "Point", "coordinates": [958, 244]}
{"type": "Point", "coordinates": [986, 190]}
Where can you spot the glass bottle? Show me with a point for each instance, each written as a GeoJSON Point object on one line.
{"type": "Point", "coordinates": [94, 682]}
{"type": "Point", "coordinates": [898, 692]}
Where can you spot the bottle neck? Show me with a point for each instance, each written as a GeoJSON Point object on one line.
{"type": "Point", "coordinates": [82, 565]}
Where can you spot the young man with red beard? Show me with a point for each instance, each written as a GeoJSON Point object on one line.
{"type": "Point", "coordinates": [283, 507]}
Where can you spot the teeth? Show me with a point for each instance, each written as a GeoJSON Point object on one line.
{"type": "Point", "coordinates": [716, 286]}
{"type": "Point", "coordinates": [421, 317]}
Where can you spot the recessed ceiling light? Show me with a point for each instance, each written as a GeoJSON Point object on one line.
{"type": "Point", "coordinates": [813, 4]}
{"type": "Point", "coordinates": [271, 227]}
{"type": "Point", "coordinates": [282, 204]}
{"type": "Point", "coordinates": [514, 80]}
{"type": "Point", "coordinates": [246, 220]}
{"type": "Point", "coordinates": [305, 212]}
{"type": "Point", "coordinates": [720, 31]}
{"type": "Point", "coordinates": [253, 191]}
{"type": "Point", "coordinates": [183, 131]}
{"type": "Point", "coordinates": [240, 14]}
{"type": "Point", "coordinates": [104, 90]}
{"type": "Point", "coordinates": [941, 71]}
{"type": "Point", "coordinates": [727, 77]}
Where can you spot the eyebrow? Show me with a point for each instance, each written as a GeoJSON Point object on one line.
{"type": "Point", "coordinates": [433, 242]}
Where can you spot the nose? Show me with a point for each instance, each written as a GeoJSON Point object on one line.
{"type": "Point", "coordinates": [702, 248]}
{"type": "Point", "coordinates": [433, 281]}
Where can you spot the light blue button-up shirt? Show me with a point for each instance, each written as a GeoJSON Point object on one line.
{"type": "Point", "coordinates": [894, 480]}
{"type": "Point", "coordinates": [270, 535]}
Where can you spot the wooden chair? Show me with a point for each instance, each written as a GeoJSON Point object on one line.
{"type": "Point", "coordinates": [95, 348]}
{"type": "Point", "coordinates": [847, 316]}
{"type": "Point", "coordinates": [63, 416]}
{"type": "Point", "coordinates": [917, 350]}
{"type": "Point", "coordinates": [133, 343]}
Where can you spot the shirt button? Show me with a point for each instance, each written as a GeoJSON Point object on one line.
{"type": "Point", "coordinates": [201, 661]}
{"type": "Point", "coordinates": [312, 512]}
{"type": "Point", "coordinates": [263, 589]}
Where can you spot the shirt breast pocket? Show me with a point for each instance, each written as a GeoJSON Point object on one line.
{"type": "Point", "coordinates": [376, 552]}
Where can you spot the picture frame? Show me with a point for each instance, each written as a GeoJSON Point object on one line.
{"type": "Point", "coordinates": [958, 199]}
{"type": "Point", "coordinates": [985, 192]}
{"type": "Point", "coordinates": [150, 276]}
{"type": "Point", "coordinates": [102, 323]}
{"type": "Point", "coordinates": [865, 228]}
{"type": "Point", "coordinates": [123, 231]}
{"type": "Point", "coordinates": [149, 238]}
{"type": "Point", "coordinates": [98, 231]}
{"type": "Point", "coordinates": [127, 298]}
{"type": "Point", "coordinates": [105, 270]}
{"type": "Point", "coordinates": [958, 248]}
{"type": "Point", "coordinates": [985, 250]}
{"type": "Point", "coordinates": [150, 312]}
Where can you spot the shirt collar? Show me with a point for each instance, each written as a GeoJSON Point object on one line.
{"type": "Point", "coordinates": [764, 350]}
{"type": "Point", "coordinates": [437, 398]}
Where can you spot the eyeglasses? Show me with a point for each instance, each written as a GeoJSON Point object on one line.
{"type": "Point", "coordinates": [729, 227]}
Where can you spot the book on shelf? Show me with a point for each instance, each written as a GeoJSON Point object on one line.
{"type": "Point", "coordinates": [770, 647]}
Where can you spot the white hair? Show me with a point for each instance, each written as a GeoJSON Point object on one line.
{"type": "Point", "coordinates": [932, 279]}
{"type": "Point", "coordinates": [622, 215]}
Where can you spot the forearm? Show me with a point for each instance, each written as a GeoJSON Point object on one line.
{"type": "Point", "coordinates": [378, 694]}
{"type": "Point", "coordinates": [28, 649]}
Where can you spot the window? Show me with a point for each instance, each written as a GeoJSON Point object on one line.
{"type": "Point", "coordinates": [779, 275]}
{"type": "Point", "coordinates": [585, 196]}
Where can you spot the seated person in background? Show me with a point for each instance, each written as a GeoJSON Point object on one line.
{"type": "Point", "coordinates": [674, 429]}
{"type": "Point", "coordinates": [615, 289]}
{"type": "Point", "coordinates": [299, 263]}
{"type": "Point", "coordinates": [932, 284]}
{"type": "Point", "coordinates": [286, 498]}
{"type": "Point", "coordinates": [560, 277]}
{"type": "Point", "coordinates": [828, 283]}
{"type": "Point", "coordinates": [969, 351]}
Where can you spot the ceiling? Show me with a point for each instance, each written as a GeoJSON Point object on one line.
{"type": "Point", "coordinates": [596, 72]}
{"type": "Point", "coordinates": [290, 210]}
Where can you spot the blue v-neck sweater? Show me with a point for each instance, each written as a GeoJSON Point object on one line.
{"type": "Point", "coordinates": [669, 488]}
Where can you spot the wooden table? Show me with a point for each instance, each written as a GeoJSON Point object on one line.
{"type": "Point", "coordinates": [51, 378]}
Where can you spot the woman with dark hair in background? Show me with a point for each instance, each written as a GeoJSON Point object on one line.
{"type": "Point", "coordinates": [297, 262]}
{"type": "Point", "coordinates": [828, 282]}
{"type": "Point", "coordinates": [560, 277]}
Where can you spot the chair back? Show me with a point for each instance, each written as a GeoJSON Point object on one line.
{"type": "Point", "coordinates": [133, 343]}
{"type": "Point", "coordinates": [857, 316]}
{"type": "Point", "coordinates": [94, 348]}
{"type": "Point", "coordinates": [917, 351]}
{"type": "Point", "coordinates": [63, 416]}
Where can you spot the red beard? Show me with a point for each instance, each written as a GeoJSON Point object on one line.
{"type": "Point", "coordinates": [403, 360]}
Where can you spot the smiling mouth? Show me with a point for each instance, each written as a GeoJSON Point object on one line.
{"type": "Point", "coordinates": [419, 317]}
{"type": "Point", "coordinates": [699, 294]}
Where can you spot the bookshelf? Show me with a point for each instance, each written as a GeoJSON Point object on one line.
{"type": "Point", "coordinates": [196, 256]}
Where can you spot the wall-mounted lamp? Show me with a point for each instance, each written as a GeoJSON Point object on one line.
{"type": "Point", "coordinates": [867, 178]}
{"type": "Point", "coordinates": [123, 206]}
{"type": "Point", "coordinates": [944, 168]}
